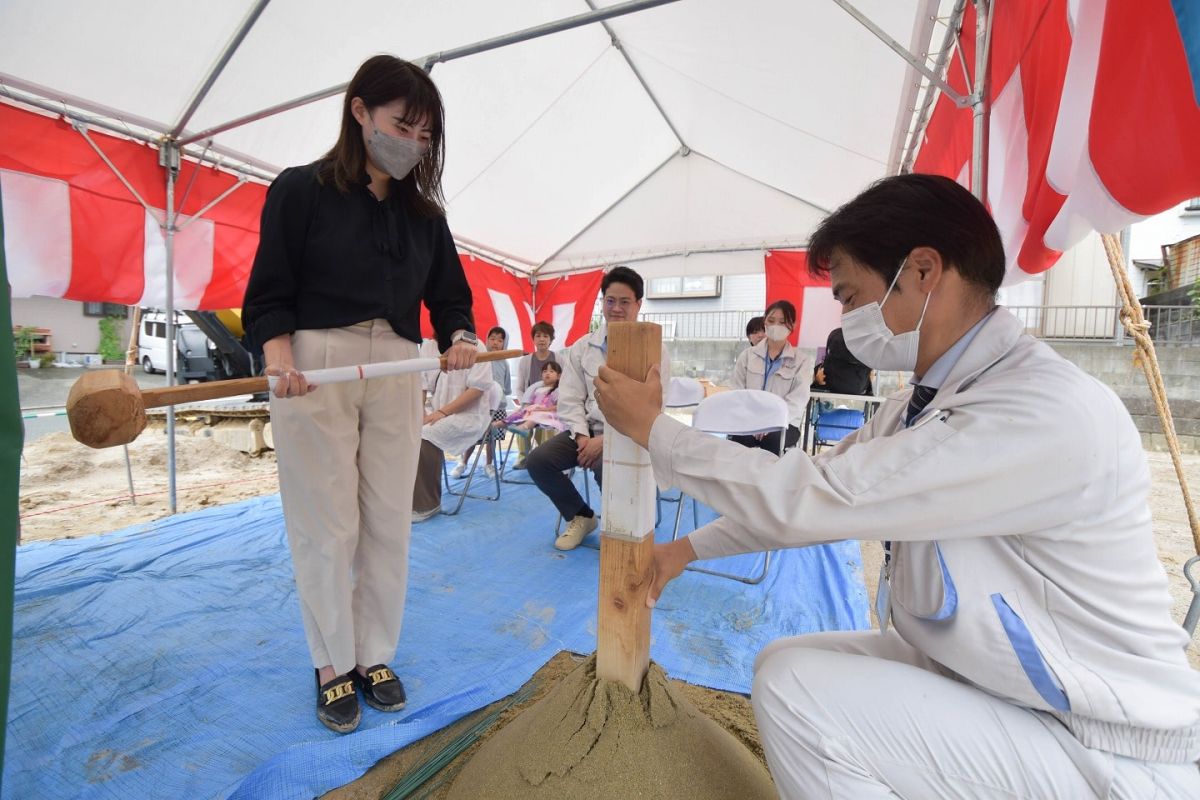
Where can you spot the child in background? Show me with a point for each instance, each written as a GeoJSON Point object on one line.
{"type": "Point", "coordinates": [541, 408]}
{"type": "Point", "coordinates": [497, 338]}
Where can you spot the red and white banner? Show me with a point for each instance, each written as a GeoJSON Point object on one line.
{"type": "Point", "coordinates": [1094, 120]}
{"type": "Point", "coordinates": [568, 303]}
{"type": "Point", "coordinates": [73, 230]}
{"type": "Point", "coordinates": [499, 298]}
{"type": "Point", "coordinates": [817, 313]}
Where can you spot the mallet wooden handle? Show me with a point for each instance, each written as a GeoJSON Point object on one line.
{"type": "Point", "coordinates": [214, 390]}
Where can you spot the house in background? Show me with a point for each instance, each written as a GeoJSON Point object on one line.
{"type": "Point", "coordinates": [74, 327]}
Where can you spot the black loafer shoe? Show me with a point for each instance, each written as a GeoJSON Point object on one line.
{"type": "Point", "coordinates": [337, 704]}
{"type": "Point", "coordinates": [381, 688]}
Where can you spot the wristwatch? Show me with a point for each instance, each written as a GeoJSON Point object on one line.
{"type": "Point", "coordinates": [464, 336]}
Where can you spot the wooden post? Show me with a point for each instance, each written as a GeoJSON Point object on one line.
{"type": "Point", "coordinates": [627, 535]}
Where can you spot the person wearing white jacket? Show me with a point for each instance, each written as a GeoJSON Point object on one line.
{"type": "Point", "coordinates": [775, 365]}
{"type": "Point", "coordinates": [1026, 647]}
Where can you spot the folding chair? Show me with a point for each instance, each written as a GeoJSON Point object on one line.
{"type": "Point", "coordinates": [830, 425]}
{"type": "Point", "coordinates": [741, 412]}
{"type": "Point", "coordinates": [682, 392]}
{"type": "Point", "coordinates": [492, 398]}
{"type": "Point", "coordinates": [530, 436]}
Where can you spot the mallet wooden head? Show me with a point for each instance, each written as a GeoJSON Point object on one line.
{"type": "Point", "coordinates": [105, 409]}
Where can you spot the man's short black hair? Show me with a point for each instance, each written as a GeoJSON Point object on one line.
{"type": "Point", "coordinates": [755, 325]}
{"type": "Point", "coordinates": [626, 276]}
{"type": "Point", "coordinates": [498, 330]}
{"type": "Point", "coordinates": [881, 226]}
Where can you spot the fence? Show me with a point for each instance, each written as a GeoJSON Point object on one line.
{"type": "Point", "coordinates": [1168, 324]}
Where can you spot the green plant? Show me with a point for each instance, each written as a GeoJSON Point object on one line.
{"type": "Point", "coordinates": [23, 339]}
{"type": "Point", "coordinates": [47, 359]}
{"type": "Point", "coordinates": [110, 339]}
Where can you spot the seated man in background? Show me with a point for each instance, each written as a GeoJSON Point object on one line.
{"type": "Point", "coordinates": [582, 443]}
{"type": "Point", "coordinates": [756, 330]}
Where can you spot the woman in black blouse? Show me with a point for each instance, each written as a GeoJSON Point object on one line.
{"type": "Point", "coordinates": [350, 247]}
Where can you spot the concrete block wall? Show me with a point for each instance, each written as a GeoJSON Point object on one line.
{"type": "Point", "coordinates": [1110, 363]}
{"type": "Point", "coordinates": [1180, 366]}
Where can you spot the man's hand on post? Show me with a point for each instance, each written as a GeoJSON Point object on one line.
{"type": "Point", "coordinates": [669, 561]}
{"type": "Point", "coordinates": [630, 406]}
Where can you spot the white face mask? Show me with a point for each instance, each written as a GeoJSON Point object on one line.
{"type": "Point", "coordinates": [395, 155]}
{"type": "Point", "coordinates": [778, 333]}
{"type": "Point", "coordinates": [871, 341]}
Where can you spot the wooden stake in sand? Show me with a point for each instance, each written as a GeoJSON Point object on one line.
{"type": "Point", "coordinates": [627, 535]}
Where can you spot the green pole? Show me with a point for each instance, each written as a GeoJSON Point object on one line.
{"type": "Point", "coordinates": [12, 439]}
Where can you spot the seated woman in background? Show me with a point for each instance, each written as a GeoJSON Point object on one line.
{"type": "Point", "coordinates": [774, 365]}
{"type": "Point", "coordinates": [459, 418]}
{"type": "Point", "coordinates": [540, 410]}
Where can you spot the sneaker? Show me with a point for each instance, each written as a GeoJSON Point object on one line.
{"type": "Point", "coordinates": [337, 704]}
{"type": "Point", "coordinates": [520, 464]}
{"type": "Point", "coordinates": [380, 687]}
{"type": "Point", "coordinates": [490, 471]}
{"type": "Point", "coordinates": [576, 530]}
{"type": "Point", "coordinates": [459, 471]}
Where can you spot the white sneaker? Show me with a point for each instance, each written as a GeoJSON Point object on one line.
{"type": "Point", "coordinates": [459, 471]}
{"type": "Point", "coordinates": [576, 530]}
{"type": "Point", "coordinates": [490, 471]}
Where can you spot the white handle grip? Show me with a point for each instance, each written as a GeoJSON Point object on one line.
{"type": "Point", "coordinates": [318, 377]}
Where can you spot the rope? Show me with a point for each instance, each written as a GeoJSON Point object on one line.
{"type": "Point", "coordinates": [1138, 327]}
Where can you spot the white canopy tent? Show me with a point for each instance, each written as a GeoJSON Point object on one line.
{"type": "Point", "coordinates": [692, 127]}
{"type": "Point", "coordinates": [686, 136]}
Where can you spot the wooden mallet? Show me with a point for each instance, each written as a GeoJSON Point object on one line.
{"type": "Point", "coordinates": [107, 408]}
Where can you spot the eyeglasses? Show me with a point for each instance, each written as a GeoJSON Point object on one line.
{"type": "Point", "coordinates": [624, 303]}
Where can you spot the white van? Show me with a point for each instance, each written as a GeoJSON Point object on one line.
{"type": "Point", "coordinates": [194, 355]}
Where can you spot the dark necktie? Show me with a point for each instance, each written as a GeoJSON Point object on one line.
{"type": "Point", "coordinates": [916, 404]}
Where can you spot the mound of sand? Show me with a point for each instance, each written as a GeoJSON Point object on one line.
{"type": "Point", "coordinates": [596, 739]}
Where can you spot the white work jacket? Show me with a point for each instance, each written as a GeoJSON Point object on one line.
{"type": "Point", "coordinates": [457, 432]}
{"type": "Point", "coordinates": [791, 381]}
{"type": "Point", "coordinates": [576, 391]}
{"type": "Point", "coordinates": [1023, 558]}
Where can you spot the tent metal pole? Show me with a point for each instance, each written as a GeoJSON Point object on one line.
{"type": "Point", "coordinates": [112, 122]}
{"type": "Point", "coordinates": [187, 190]}
{"type": "Point", "coordinates": [637, 74]}
{"type": "Point", "coordinates": [919, 44]}
{"type": "Point", "coordinates": [216, 69]}
{"type": "Point", "coordinates": [900, 50]}
{"type": "Point", "coordinates": [979, 104]}
{"type": "Point", "coordinates": [597, 262]}
{"type": "Point", "coordinates": [428, 61]}
{"type": "Point", "coordinates": [681, 152]}
{"type": "Point", "coordinates": [210, 204]}
{"type": "Point", "coordinates": [168, 157]}
{"type": "Point", "coordinates": [949, 43]}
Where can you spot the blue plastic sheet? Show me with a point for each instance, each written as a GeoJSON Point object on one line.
{"type": "Point", "coordinates": [168, 660]}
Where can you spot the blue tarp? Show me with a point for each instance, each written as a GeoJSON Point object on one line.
{"type": "Point", "coordinates": [168, 660]}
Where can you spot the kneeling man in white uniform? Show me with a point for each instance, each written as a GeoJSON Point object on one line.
{"type": "Point", "coordinates": [1026, 648]}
